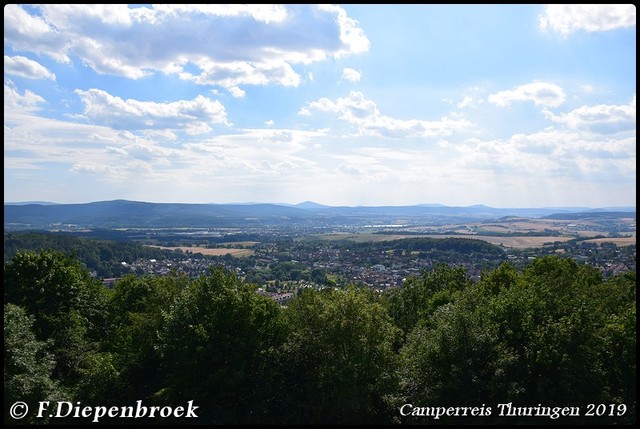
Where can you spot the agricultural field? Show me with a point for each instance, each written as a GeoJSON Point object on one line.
{"type": "Point", "coordinates": [618, 241]}
{"type": "Point", "coordinates": [516, 242]}
{"type": "Point", "coordinates": [210, 252]}
{"type": "Point", "coordinates": [516, 233]}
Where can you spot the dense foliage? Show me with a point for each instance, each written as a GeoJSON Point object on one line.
{"type": "Point", "coordinates": [105, 257]}
{"type": "Point", "coordinates": [555, 333]}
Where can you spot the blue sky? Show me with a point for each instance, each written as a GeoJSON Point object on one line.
{"type": "Point", "coordinates": [503, 105]}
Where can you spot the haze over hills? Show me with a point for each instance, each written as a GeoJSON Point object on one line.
{"type": "Point", "coordinates": [24, 203]}
{"type": "Point", "coordinates": [131, 214]}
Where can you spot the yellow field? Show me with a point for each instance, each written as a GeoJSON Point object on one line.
{"type": "Point", "coordinates": [622, 241]}
{"type": "Point", "coordinates": [206, 251]}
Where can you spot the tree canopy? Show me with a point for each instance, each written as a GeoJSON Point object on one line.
{"type": "Point", "coordinates": [555, 333]}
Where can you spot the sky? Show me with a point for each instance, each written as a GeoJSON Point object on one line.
{"type": "Point", "coordinates": [344, 105]}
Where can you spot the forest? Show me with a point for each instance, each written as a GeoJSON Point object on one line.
{"type": "Point", "coordinates": [553, 334]}
{"type": "Point", "coordinates": [102, 256]}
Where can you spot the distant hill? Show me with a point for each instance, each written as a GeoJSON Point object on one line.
{"type": "Point", "coordinates": [592, 214]}
{"type": "Point", "coordinates": [123, 213]}
{"type": "Point", "coordinates": [135, 214]}
{"type": "Point", "coordinates": [23, 203]}
{"type": "Point", "coordinates": [310, 205]}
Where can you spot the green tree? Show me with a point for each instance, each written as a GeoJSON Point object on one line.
{"type": "Point", "coordinates": [130, 355]}
{"type": "Point", "coordinates": [216, 343]}
{"type": "Point", "coordinates": [555, 334]}
{"type": "Point", "coordinates": [66, 303]}
{"type": "Point", "coordinates": [27, 366]}
{"type": "Point", "coordinates": [455, 358]}
{"type": "Point", "coordinates": [420, 296]}
{"type": "Point", "coordinates": [337, 366]}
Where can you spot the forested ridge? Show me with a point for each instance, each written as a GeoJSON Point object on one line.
{"type": "Point", "coordinates": [102, 256]}
{"type": "Point", "coordinates": [554, 333]}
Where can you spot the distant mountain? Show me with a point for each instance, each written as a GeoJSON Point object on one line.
{"type": "Point", "coordinates": [23, 203]}
{"type": "Point", "coordinates": [135, 214]}
{"type": "Point", "coordinates": [592, 214]}
{"type": "Point", "coordinates": [130, 214]}
{"type": "Point", "coordinates": [310, 205]}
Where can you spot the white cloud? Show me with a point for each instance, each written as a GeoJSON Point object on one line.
{"type": "Point", "coordinates": [25, 32]}
{"type": "Point", "coordinates": [20, 163]}
{"type": "Point", "coordinates": [352, 36]}
{"type": "Point", "coordinates": [553, 167]}
{"type": "Point", "coordinates": [363, 114]}
{"type": "Point", "coordinates": [160, 134]}
{"type": "Point", "coordinates": [557, 153]}
{"type": "Point", "coordinates": [14, 101]}
{"type": "Point", "coordinates": [369, 173]}
{"type": "Point", "coordinates": [264, 153]}
{"type": "Point", "coordinates": [128, 162]}
{"type": "Point", "coordinates": [545, 168]}
{"type": "Point", "coordinates": [231, 74]}
{"type": "Point", "coordinates": [568, 18]}
{"type": "Point", "coordinates": [267, 40]}
{"type": "Point", "coordinates": [541, 93]}
{"type": "Point", "coordinates": [56, 146]}
{"type": "Point", "coordinates": [237, 92]}
{"type": "Point", "coordinates": [351, 75]}
{"type": "Point", "coordinates": [601, 118]}
{"type": "Point", "coordinates": [266, 13]}
{"type": "Point", "coordinates": [466, 101]}
{"type": "Point", "coordinates": [192, 116]}
{"type": "Point", "coordinates": [24, 67]}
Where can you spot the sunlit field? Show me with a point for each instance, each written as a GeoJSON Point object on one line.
{"type": "Point", "coordinates": [212, 252]}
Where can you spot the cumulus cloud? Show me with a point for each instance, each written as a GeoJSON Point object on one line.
{"type": "Point", "coordinates": [601, 118]}
{"type": "Point", "coordinates": [26, 102]}
{"type": "Point", "coordinates": [191, 116]}
{"type": "Point", "coordinates": [237, 92]}
{"type": "Point", "coordinates": [568, 18]}
{"type": "Point", "coordinates": [231, 74]}
{"type": "Point", "coordinates": [24, 67]}
{"type": "Point", "coordinates": [351, 75]}
{"type": "Point", "coordinates": [267, 13]}
{"type": "Point", "coordinates": [567, 147]}
{"type": "Point", "coordinates": [102, 154]}
{"type": "Point", "coordinates": [550, 153]}
{"type": "Point", "coordinates": [352, 37]}
{"type": "Point", "coordinates": [364, 115]}
{"type": "Point", "coordinates": [224, 45]}
{"type": "Point", "coordinates": [541, 93]}
{"type": "Point", "coordinates": [32, 33]}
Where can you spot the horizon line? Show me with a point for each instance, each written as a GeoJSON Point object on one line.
{"type": "Point", "coordinates": [323, 205]}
